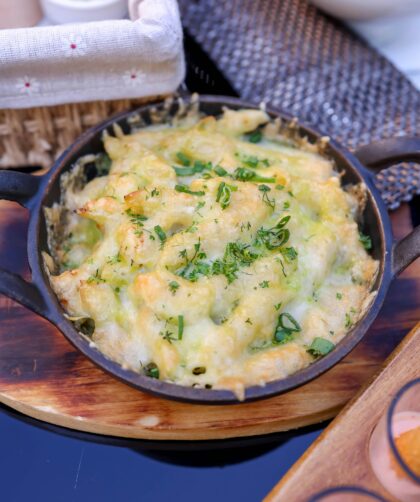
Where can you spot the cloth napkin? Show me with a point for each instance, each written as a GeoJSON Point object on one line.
{"type": "Point", "coordinates": [94, 61]}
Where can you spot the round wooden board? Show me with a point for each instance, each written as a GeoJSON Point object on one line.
{"type": "Point", "coordinates": [43, 376]}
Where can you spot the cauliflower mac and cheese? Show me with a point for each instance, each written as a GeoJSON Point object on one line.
{"type": "Point", "coordinates": [212, 253]}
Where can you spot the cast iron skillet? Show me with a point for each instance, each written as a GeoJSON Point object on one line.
{"type": "Point", "coordinates": [35, 192]}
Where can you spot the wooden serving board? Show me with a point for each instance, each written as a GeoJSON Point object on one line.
{"type": "Point", "coordinates": [340, 456]}
{"type": "Point", "coordinates": [43, 376]}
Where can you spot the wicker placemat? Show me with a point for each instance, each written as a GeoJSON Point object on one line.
{"type": "Point", "coordinates": [289, 54]}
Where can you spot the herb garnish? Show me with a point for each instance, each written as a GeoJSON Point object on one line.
{"type": "Point", "coordinates": [190, 170]}
{"type": "Point", "coordinates": [173, 287]}
{"type": "Point", "coordinates": [103, 164]}
{"type": "Point", "coordinates": [200, 370]}
{"type": "Point", "coordinates": [180, 326]}
{"type": "Point", "coordinates": [95, 278]}
{"type": "Point", "coordinates": [284, 331]}
{"type": "Point", "coordinates": [224, 193]}
{"type": "Point", "coordinates": [274, 237]}
{"type": "Point", "coordinates": [264, 284]}
{"type": "Point", "coordinates": [160, 233]}
{"type": "Point", "coordinates": [112, 260]}
{"type": "Point", "coordinates": [252, 161]}
{"type": "Point", "coordinates": [339, 296]}
{"type": "Point", "coordinates": [270, 202]}
{"type": "Point", "coordinates": [168, 336]}
{"type": "Point", "coordinates": [320, 347]}
{"type": "Point", "coordinates": [183, 159]}
{"type": "Point", "coordinates": [185, 189]}
{"type": "Point", "coordinates": [245, 174]}
{"type": "Point", "coordinates": [289, 254]}
{"type": "Point", "coordinates": [220, 171]}
{"type": "Point", "coordinates": [366, 241]}
{"type": "Point", "coordinates": [136, 219]}
{"type": "Point", "coordinates": [151, 370]}
{"type": "Point", "coordinates": [255, 136]}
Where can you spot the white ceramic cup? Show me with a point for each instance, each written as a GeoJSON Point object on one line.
{"type": "Point", "coordinates": [356, 10]}
{"type": "Point", "coordinates": [79, 11]}
{"type": "Point", "coordinates": [19, 13]}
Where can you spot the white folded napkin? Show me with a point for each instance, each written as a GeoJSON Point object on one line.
{"type": "Point", "coordinates": [94, 61]}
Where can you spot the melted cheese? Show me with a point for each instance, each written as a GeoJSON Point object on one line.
{"type": "Point", "coordinates": [154, 266]}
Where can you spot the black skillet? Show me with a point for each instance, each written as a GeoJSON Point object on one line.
{"type": "Point", "coordinates": [35, 192]}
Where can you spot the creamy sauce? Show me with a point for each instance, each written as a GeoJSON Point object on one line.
{"type": "Point", "coordinates": [214, 253]}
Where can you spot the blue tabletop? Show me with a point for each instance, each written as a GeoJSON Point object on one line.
{"type": "Point", "coordinates": [38, 464]}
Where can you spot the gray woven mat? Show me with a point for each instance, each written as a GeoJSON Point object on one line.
{"type": "Point", "coordinates": [289, 54]}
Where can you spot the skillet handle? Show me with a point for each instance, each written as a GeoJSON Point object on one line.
{"type": "Point", "coordinates": [21, 188]}
{"type": "Point", "coordinates": [383, 154]}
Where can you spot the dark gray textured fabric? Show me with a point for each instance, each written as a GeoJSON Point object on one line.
{"type": "Point", "coordinates": [290, 55]}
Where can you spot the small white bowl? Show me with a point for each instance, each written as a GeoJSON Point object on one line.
{"type": "Point", "coordinates": [80, 11]}
{"type": "Point", "coordinates": [357, 10]}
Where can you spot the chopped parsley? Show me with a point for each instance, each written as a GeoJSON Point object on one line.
{"type": "Point", "coordinates": [173, 287]}
{"type": "Point", "coordinates": [95, 278]}
{"type": "Point", "coordinates": [112, 260]}
{"type": "Point", "coordinates": [168, 336]}
{"type": "Point", "coordinates": [289, 254]}
{"type": "Point", "coordinates": [137, 220]}
{"type": "Point", "coordinates": [103, 164]}
{"type": "Point", "coordinates": [320, 347]}
{"type": "Point", "coordinates": [160, 233]}
{"type": "Point", "coordinates": [185, 189]}
{"type": "Point", "coordinates": [224, 194]}
{"type": "Point", "coordinates": [365, 240]}
{"type": "Point", "coordinates": [255, 136]}
{"type": "Point", "coordinates": [339, 296]}
{"type": "Point", "coordinates": [264, 284]}
{"type": "Point", "coordinates": [154, 193]}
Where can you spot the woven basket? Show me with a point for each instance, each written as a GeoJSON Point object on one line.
{"type": "Point", "coordinates": [37, 136]}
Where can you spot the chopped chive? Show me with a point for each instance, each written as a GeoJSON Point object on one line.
{"type": "Point", "coordinates": [183, 159]}
{"type": "Point", "coordinates": [151, 370]}
{"type": "Point", "coordinates": [185, 189]}
{"type": "Point", "coordinates": [184, 171]}
{"type": "Point", "coordinates": [244, 174]}
{"type": "Point", "coordinates": [180, 326]}
{"type": "Point", "coordinates": [224, 194]}
{"type": "Point", "coordinates": [220, 171]}
{"type": "Point", "coordinates": [320, 347]}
